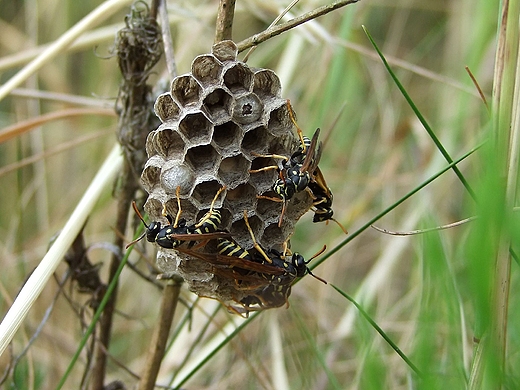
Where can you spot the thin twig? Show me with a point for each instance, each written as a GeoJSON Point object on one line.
{"type": "Point", "coordinates": [276, 30]}
{"type": "Point", "coordinates": [274, 23]}
{"type": "Point", "coordinates": [225, 15]}
{"type": "Point", "coordinates": [421, 231]}
{"type": "Point", "coordinates": [169, 55]}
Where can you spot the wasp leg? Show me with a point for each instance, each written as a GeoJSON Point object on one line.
{"type": "Point", "coordinates": [269, 168]}
{"type": "Point", "coordinates": [179, 210]}
{"type": "Point", "coordinates": [209, 214]}
{"type": "Point", "coordinates": [269, 198]}
{"type": "Point", "coordinates": [256, 245]}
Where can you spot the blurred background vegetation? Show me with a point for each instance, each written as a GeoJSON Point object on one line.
{"type": "Point", "coordinates": [420, 289]}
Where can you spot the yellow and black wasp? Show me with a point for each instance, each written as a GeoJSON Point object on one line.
{"type": "Point", "coordinates": [177, 231]}
{"type": "Point", "coordinates": [300, 172]}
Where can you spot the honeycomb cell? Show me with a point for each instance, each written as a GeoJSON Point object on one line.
{"type": "Point", "coordinates": [299, 204]}
{"type": "Point", "coordinates": [188, 210]}
{"type": "Point", "coordinates": [273, 237]}
{"type": "Point", "coordinates": [263, 180]}
{"type": "Point", "coordinates": [256, 140]}
{"type": "Point", "coordinates": [247, 109]}
{"type": "Point", "coordinates": [241, 198]}
{"type": "Point", "coordinates": [202, 159]}
{"type": "Point", "coordinates": [279, 121]}
{"type": "Point", "coordinates": [226, 137]}
{"type": "Point", "coordinates": [205, 192]}
{"type": "Point", "coordinates": [186, 90]}
{"type": "Point", "coordinates": [241, 234]}
{"type": "Point", "coordinates": [218, 105]}
{"type": "Point", "coordinates": [225, 50]}
{"type": "Point", "coordinates": [165, 107]}
{"type": "Point", "coordinates": [151, 173]}
{"type": "Point", "coordinates": [151, 206]}
{"type": "Point", "coordinates": [238, 78]}
{"type": "Point", "coordinates": [196, 128]}
{"type": "Point", "coordinates": [206, 69]}
{"type": "Point", "coordinates": [269, 210]}
{"type": "Point", "coordinates": [169, 144]}
{"type": "Point", "coordinates": [266, 84]}
{"type": "Point", "coordinates": [175, 175]}
{"type": "Point", "coordinates": [233, 170]}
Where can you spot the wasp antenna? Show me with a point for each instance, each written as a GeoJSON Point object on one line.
{"type": "Point", "coordinates": [255, 244]}
{"type": "Point", "coordinates": [179, 209]}
{"type": "Point", "coordinates": [316, 277]}
{"type": "Point", "coordinates": [317, 254]}
{"type": "Point", "coordinates": [138, 213]}
{"type": "Point", "coordinates": [340, 225]}
{"type": "Point", "coordinates": [136, 240]}
{"type": "Point", "coordinates": [293, 120]}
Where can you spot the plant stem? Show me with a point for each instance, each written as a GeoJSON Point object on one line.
{"type": "Point", "coordinates": [280, 28]}
{"type": "Point", "coordinates": [225, 15]}
{"type": "Point", "coordinates": [170, 297]}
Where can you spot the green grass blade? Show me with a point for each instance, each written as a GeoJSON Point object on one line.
{"type": "Point", "coordinates": [393, 206]}
{"type": "Point", "coordinates": [379, 330]}
{"type": "Point", "coordinates": [421, 117]}
{"type": "Point", "coordinates": [302, 327]}
{"type": "Point", "coordinates": [95, 319]}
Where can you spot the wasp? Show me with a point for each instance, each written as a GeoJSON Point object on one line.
{"type": "Point", "coordinates": [296, 172]}
{"type": "Point", "coordinates": [322, 204]}
{"type": "Point", "coordinates": [178, 231]}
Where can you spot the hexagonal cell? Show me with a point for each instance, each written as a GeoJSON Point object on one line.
{"type": "Point", "coordinates": [175, 175]}
{"type": "Point", "coordinates": [196, 128]}
{"type": "Point", "coordinates": [273, 237]}
{"type": "Point", "coordinates": [269, 210]}
{"type": "Point", "coordinates": [233, 170]}
{"type": "Point", "coordinates": [166, 108]}
{"type": "Point", "coordinates": [256, 140]}
{"type": "Point", "coordinates": [186, 90]}
{"type": "Point", "coordinates": [241, 198]}
{"type": "Point", "coordinates": [226, 137]}
{"type": "Point", "coordinates": [169, 144]}
{"type": "Point", "coordinates": [263, 180]}
{"type": "Point", "coordinates": [266, 84]}
{"type": "Point", "coordinates": [299, 204]}
{"type": "Point", "coordinates": [151, 172]}
{"type": "Point", "coordinates": [204, 193]}
{"type": "Point", "coordinates": [279, 121]}
{"type": "Point", "coordinates": [225, 50]}
{"type": "Point", "coordinates": [247, 109]}
{"type": "Point", "coordinates": [150, 177]}
{"type": "Point", "coordinates": [238, 78]}
{"type": "Point", "coordinates": [240, 232]}
{"type": "Point", "coordinates": [202, 159]}
{"type": "Point", "coordinates": [188, 210]}
{"type": "Point", "coordinates": [153, 208]}
{"type": "Point", "coordinates": [206, 69]}
{"type": "Point", "coordinates": [218, 104]}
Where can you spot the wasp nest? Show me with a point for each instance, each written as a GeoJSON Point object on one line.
{"type": "Point", "coordinates": [216, 120]}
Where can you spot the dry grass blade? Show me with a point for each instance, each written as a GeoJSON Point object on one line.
{"type": "Point", "coordinates": [54, 256]}
{"type": "Point", "coordinates": [28, 125]}
{"type": "Point", "coordinates": [104, 11]}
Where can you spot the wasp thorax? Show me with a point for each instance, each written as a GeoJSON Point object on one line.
{"type": "Point", "coordinates": [218, 123]}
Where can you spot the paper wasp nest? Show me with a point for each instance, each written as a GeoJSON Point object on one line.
{"type": "Point", "coordinates": [214, 120]}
